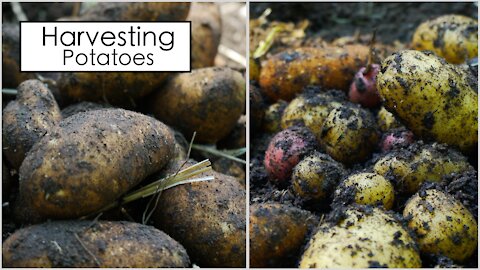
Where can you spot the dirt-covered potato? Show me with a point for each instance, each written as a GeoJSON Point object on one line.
{"type": "Point", "coordinates": [316, 176]}
{"type": "Point", "coordinates": [208, 219]}
{"type": "Point", "coordinates": [98, 244]}
{"type": "Point", "coordinates": [442, 224]}
{"type": "Point", "coordinates": [386, 120]}
{"type": "Point", "coordinates": [27, 119]}
{"type": "Point", "coordinates": [83, 106]}
{"type": "Point", "coordinates": [434, 99]}
{"type": "Point", "coordinates": [273, 117]}
{"type": "Point", "coordinates": [206, 33]}
{"type": "Point", "coordinates": [230, 167]}
{"type": "Point", "coordinates": [311, 109]}
{"type": "Point", "coordinates": [237, 138]}
{"type": "Point", "coordinates": [411, 167]}
{"type": "Point", "coordinates": [364, 237]}
{"type": "Point", "coordinates": [368, 189]}
{"type": "Point", "coordinates": [11, 75]}
{"type": "Point", "coordinates": [285, 74]}
{"type": "Point", "coordinates": [208, 101]}
{"type": "Point", "coordinates": [90, 160]}
{"type": "Point", "coordinates": [349, 134]}
{"type": "Point", "coordinates": [277, 232]}
{"type": "Point", "coordinates": [453, 37]}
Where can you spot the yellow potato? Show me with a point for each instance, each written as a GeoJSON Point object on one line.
{"type": "Point", "coordinates": [370, 188]}
{"type": "Point", "coordinates": [273, 117]}
{"type": "Point", "coordinates": [386, 120]}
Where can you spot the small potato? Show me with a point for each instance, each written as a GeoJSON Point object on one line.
{"type": "Point", "coordinates": [208, 101]}
{"type": "Point", "coordinates": [396, 138]}
{"type": "Point", "coordinates": [364, 237]}
{"type": "Point", "coordinates": [285, 150]}
{"type": "Point", "coordinates": [316, 176]}
{"type": "Point", "coordinates": [411, 167]}
{"type": "Point", "coordinates": [386, 120]}
{"type": "Point", "coordinates": [273, 117]}
{"type": "Point", "coordinates": [230, 167]}
{"type": "Point", "coordinates": [84, 106]}
{"type": "Point", "coordinates": [285, 74]}
{"type": "Point", "coordinates": [277, 232]}
{"type": "Point", "coordinates": [206, 33]}
{"type": "Point", "coordinates": [369, 189]}
{"type": "Point", "coordinates": [453, 37]}
{"type": "Point", "coordinates": [434, 99]}
{"type": "Point", "coordinates": [208, 218]}
{"type": "Point", "coordinates": [98, 244]}
{"type": "Point", "coordinates": [349, 134]}
{"type": "Point", "coordinates": [90, 160]}
{"type": "Point", "coordinates": [443, 225]}
{"type": "Point", "coordinates": [27, 119]}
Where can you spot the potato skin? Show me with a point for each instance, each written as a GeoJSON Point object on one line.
{"type": "Point", "coordinates": [434, 99]}
{"type": "Point", "coordinates": [453, 37]}
{"type": "Point", "coordinates": [113, 244]}
{"type": "Point", "coordinates": [146, 11]}
{"type": "Point", "coordinates": [277, 232]}
{"type": "Point", "coordinates": [83, 106]}
{"type": "Point", "coordinates": [208, 101]}
{"type": "Point", "coordinates": [90, 160]}
{"type": "Point", "coordinates": [208, 219]}
{"type": "Point", "coordinates": [27, 119]}
{"type": "Point", "coordinates": [357, 242]}
{"type": "Point", "coordinates": [386, 120]}
{"type": "Point", "coordinates": [370, 189]}
{"type": "Point", "coordinates": [443, 225]}
{"type": "Point", "coordinates": [285, 74]}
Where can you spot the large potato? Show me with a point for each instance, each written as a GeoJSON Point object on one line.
{"type": "Point", "coordinates": [285, 74]}
{"type": "Point", "coordinates": [453, 37]}
{"type": "Point", "coordinates": [434, 99]}
{"type": "Point", "coordinates": [277, 233]}
{"type": "Point", "coordinates": [208, 219]}
{"type": "Point", "coordinates": [208, 101]}
{"type": "Point", "coordinates": [90, 160]}
{"type": "Point", "coordinates": [363, 238]}
{"type": "Point", "coordinates": [86, 244]}
{"type": "Point", "coordinates": [443, 225]}
{"type": "Point", "coordinates": [27, 119]}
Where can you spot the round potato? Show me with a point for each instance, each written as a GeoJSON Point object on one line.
{"type": "Point", "coordinates": [443, 225]}
{"type": "Point", "coordinates": [90, 160]}
{"type": "Point", "coordinates": [285, 74]}
{"type": "Point", "coordinates": [277, 233]}
{"type": "Point", "coordinates": [453, 37]}
{"type": "Point", "coordinates": [316, 176]}
{"type": "Point", "coordinates": [27, 119]}
{"type": "Point", "coordinates": [208, 218]}
{"type": "Point", "coordinates": [208, 101]}
{"type": "Point", "coordinates": [365, 237]}
{"type": "Point", "coordinates": [98, 244]}
{"type": "Point", "coordinates": [434, 99]}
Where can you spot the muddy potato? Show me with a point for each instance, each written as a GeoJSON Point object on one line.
{"type": "Point", "coordinates": [27, 119]}
{"type": "Point", "coordinates": [11, 75]}
{"type": "Point", "coordinates": [277, 232]}
{"type": "Point", "coordinates": [86, 244]}
{"type": "Point", "coordinates": [273, 117]}
{"type": "Point", "coordinates": [365, 237]}
{"type": "Point", "coordinates": [206, 33]}
{"type": "Point", "coordinates": [208, 101]}
{"type": "Point", "coordinates": [411, 167]}
{"type": "Point", "coordinates": [369, 189]}
{"type": "Point", "coordinates": [230, 167]}
{"type": "Point", "coordinates": [349, 134]}
{"type": "Point", "coordinates": [386, 120]}
{"type": "Point", "coordinates": [285, 74]}
{"type": "Point", "coordinates": [82, 107]}
{"type": "Point", "coordinates": [208, 219]}
{"type": "Point", "coordinates": [442, 224]}
{"type": "Point", "coordinates": [453, 37]}
{"type": "Point", "coordinates": [434, 99]}
{"type": "Point", "coordinates": [90, 160]}
{"type": "Point", "coordinates": [316, 176]}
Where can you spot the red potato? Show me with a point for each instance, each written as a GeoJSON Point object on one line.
{"type": "Point", "coordinates": [363, 89]}
{"type": "Point", "coordinates": [396, 138]}
{"type": "Point", "coordinates": [285, 151]}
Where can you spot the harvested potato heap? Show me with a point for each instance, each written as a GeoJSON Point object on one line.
{"type": "Point", "coordinates": [382, 149]}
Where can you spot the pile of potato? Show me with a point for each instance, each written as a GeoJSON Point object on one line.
{"type": "Point", "coordinates": [78, 144]}
{"type": "Point", "coordinates": [362, 160]}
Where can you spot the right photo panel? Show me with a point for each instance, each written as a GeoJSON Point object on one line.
{"type": "Point", "coordinates": [363, 135]}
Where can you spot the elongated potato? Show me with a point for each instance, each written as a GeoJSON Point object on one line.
{"type": "Point", "coordinates": [453, 37]}
{"type": "Point", "coordinates": [285, 74]}
{"type": "Point", "coordinates": [27, 119]}
{"type": "Point", "coordinates": [434, 99]}
{"type": "Point", "coordinates": [90, 160]}
{"type": "Point", "coordinates": [101, 244]}
{"type": "Point", "coordinates": [208, 219]}
{"type": "Point", "coordinates": [277, 233]}
{"type": "Point", "coordinates": [208, 101]}
{"type": "Point", "coordinates": [443, 225]}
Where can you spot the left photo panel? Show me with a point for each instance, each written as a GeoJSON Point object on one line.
{"type": "Point", "coordinates": [124, 134]}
